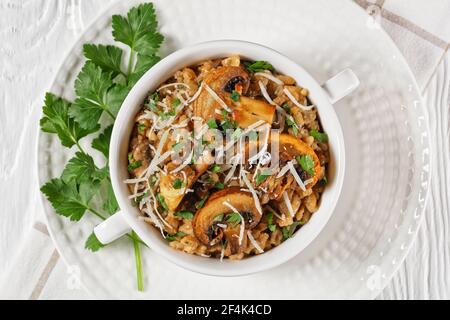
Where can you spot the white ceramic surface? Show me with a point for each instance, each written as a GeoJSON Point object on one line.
{"type": "Point", "coordinates": [388, 155]}
{"type": "Point", "coordinates": [336, 88]}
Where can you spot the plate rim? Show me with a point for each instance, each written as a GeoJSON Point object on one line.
{"type": "Point", "coordinates": [49, 211]}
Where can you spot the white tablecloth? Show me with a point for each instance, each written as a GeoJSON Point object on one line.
{"type": "Point", "coordinates": [35, 37]}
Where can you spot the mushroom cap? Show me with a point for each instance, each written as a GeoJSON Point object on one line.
{"type": "Point", "coordinates": [222, 80]}
{"type": "Point", "coordinates": [204, 219]}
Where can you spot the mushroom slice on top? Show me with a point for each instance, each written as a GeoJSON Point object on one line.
{"type": "Point", "coordinates": [174, 196]}
{"type": "Point", "coordinates": [291, 147]}
{"type": "Point", "coordinates": [172, 192]}
{"type": "Point", "coordinates": [247, 111]}
{"type": "Point", "coordinates": [208, 220]}
{"type": "Point", "coordinates": [222, 80]}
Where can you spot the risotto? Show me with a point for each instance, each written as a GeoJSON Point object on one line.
{"type": "Point", "coordinates": [227, 158]}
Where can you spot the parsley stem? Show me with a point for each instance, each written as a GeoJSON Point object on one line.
{"type": "Point", "coordinates": [110, 114]}
{"type": "Point", "coordinates": [137, 255]}
{"type": "Point", "coordinates": [80, 148]}
{"type": "Point", "coordinates": [130, 63]}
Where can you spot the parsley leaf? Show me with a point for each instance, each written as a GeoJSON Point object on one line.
{"type": "Point", "coordinates": [307, 163]}
{"type": "Point", "coordinates": [319, 136]}
{"type": "Point", "coordinates": [110, 204]}
{"type": "Point", "coordinates": [115, 97]}
{"type": "Point", "coordinates": [91, 87]}
{"type": "Point", "coordinates": [93, 244]}
{"type": "Point", "coordinates": [143, 64]}
{"type": "Point", "coordinates": [70, 199]}
{"type": "Point", "coordinates": [101, 143]}
{"type": "Point", "coordinates": [109, 58]}
{"type": "Point", "coordinates": [138, 29]}
{"type": "Point", "coordinates": [56, 120]}
{"type": "Point", "coordinates": [82, 168]}
{"type": "Point", "coordinates": [258, 66]}
{"type": "Point", "coordinates": [184, 214]}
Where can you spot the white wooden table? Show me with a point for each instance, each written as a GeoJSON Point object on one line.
{"type": "Point", "coordinates": [35, 36]}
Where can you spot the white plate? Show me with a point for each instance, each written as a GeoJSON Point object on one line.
{"type": "Point", "coordinates": [388, 157]}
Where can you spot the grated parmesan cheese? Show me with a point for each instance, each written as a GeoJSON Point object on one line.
{"type": "Point", "coordinates": [270, 77]}
{"type": "Point", "coordinates": [254, 243]}
{"type": "Point", "coordinates": [255, 195]}
{"type": "Point", "coordinates": [266, 94]}
{"type": "Point", "coordinates": [288, 203]}
{"type": "Point", "coordinates": [298, 104]}
{"type": "Point", "coordinates": [175, 84]}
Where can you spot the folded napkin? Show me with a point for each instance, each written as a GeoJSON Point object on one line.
{"type": "Point", "coordinates": [37, 272]}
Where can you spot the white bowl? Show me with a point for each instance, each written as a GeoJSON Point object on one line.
{"type": "Point", "coordinates": [321, 96]}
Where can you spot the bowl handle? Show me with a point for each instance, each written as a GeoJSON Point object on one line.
{"type": "Point", "coordinates": [112, 228]}
{"type": "Point", "coordinates": [341, 85]}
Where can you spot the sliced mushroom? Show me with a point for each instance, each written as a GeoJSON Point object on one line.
{"type": "Point", "coordinates": [207, 219]}
{"type": "Point", "coordinates": [249, 111]}
{"type": "Point", "coordinates": [223, 80]}
{"type": "Point", "coordinates": [290, 147]}
{"type": "Point", "coordinates": [173, 196]}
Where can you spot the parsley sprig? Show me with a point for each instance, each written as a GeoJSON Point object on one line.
{"type": "Point", "coordinates": [100, 89]}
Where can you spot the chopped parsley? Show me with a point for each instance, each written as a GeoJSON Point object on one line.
{"type": "Point", "coordinates": [319, 136]}
{"type": "Point", "coordinates": [260, 178]}
{"type": "Point", "coordinates": [235, 96]}
{"type": "Point", "coordinates": [288, 231]}
{"type": "Point", "coordinates": [307, 163]}
{"type": "Point", "coordinates": [141, 127]}
{"type": "Point", "coordinates": [234, 218]}
{"type": "Point", "coordinates": [212, 124]}
{"type": "Point", "coordinates": [178, 183]}
{"type": "Point", "coordinates": [134, 165]}
{"type": "Point", "coordinates": [176, 102]}
{"type": "Point", "coordinates": [219, 185]}
{"type": "Point", "coordinates": [201, 203]}
{"type": "Point", "coordinates": [162, 201]}
{"type": "Point", "coordinates": [270, 225]}
{"type": "Point", "coordinates": [184, 214]}
{"type": "Point", "coordinates": [291, 123]}
{"type": "Point", "coordinates": [286, 107]}
{"type": "Point", "coordinates": [153, 180]}
{"type": "Point", "coordinates": [258, 66]}
{"type": "Point", "coordinates": [216, 168]}
{"type": "Point", "coordinates": [173, 237]}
